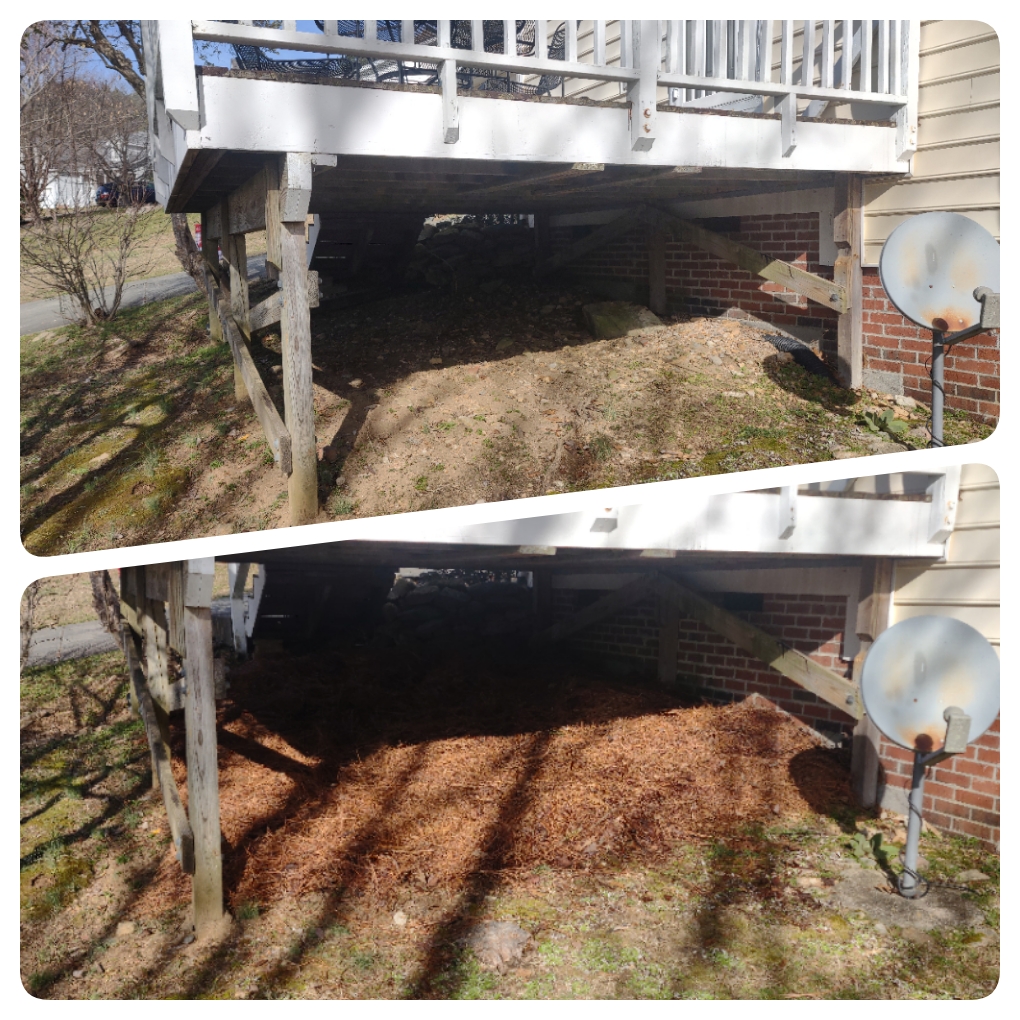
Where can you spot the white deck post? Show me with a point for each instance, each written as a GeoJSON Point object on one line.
{"type": "Point", "coordinates": [909, 59]}
{"type": "Point", "coordinates": [643, 91]}
{"type": "Point", "coordinates": [200, 738]}
{"type": "Point", "coordinates": [448, 81]}
{"type": "Point", "coordinates": [177, 64]}
{"type": "Point", "coordinates": [295, 329]}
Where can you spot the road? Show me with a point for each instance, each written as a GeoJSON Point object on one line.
{"type": "Point", "coordinates": [73, 641]}
{"type": "Point", "coordinates": [57, 311]}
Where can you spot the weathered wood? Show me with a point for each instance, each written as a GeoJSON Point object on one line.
{"type": "Point", "coordinates": [794, 665]}
{"type": "Point", "coordinates": [131, 594]}
{"type": "Point", "coordinates": [606, 606]}
{"type": "Point", "coordinates": [572, 172]}
{"type": "Point", "coordinates": [297, 376]}
{"type": "Point", "coordinates": [246, 207]}
{"type": "Point", "coordinates": [669, 635]}
{"type": "Point", "coordinates": [813, 287]}
{"type": "Point", "coordinates": [277, 435]}
{"type": "Point", "coordinates": [238, 259]}
{"type": "Point", "coordinates": [269, 311]}
{"type": "Point", "coordinates": [873, 605]}
{"type": "Point", "coordinates": [163, 777]}
{"type": "Point", "coordinates": [157, 581]}
{"type": "Point", "coordinates": [152, 616]}
{"type": "Point", "coordinates": [657, 271]}
{"type": "Point", "coordinates": [211, 259]}
{"type": "Point", "coordinates": [273, 259]}
{"type": "Point", "coordinates": [203, 774]}
{"type": "Point", "coordinates": [848, 228]}
{"type": "Point", "coordinates": [591, 242]}
{"type": "Point", "coordinates": [175, 610]}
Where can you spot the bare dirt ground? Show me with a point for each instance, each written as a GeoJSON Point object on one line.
{"type": "Point", "coordinates": [380, 806]}
{"type": "Point", "coordinates": [130, 432]}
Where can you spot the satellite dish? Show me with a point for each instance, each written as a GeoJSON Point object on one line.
{"type": "Point", "coordinates": [920, 667]}
{"type": "Point", "coordinates": [931, 265]}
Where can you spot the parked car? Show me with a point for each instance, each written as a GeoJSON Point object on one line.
{"type": "Point", "coordinates": [110, 194]}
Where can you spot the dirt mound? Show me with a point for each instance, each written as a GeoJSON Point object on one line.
{"type": "Point", "coordinates": [365, 770]}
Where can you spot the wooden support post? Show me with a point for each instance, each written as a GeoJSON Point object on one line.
{"type": "Point", "coordinates": [669, 635]}
{"type": "Point", "coordinates": [157, 732]}
{"type": "Point", "coordinates": [299, 410]}
{"type": "Point", "coordinates": [872, 618]}
{"type": "Point", "coordinates": [657, 270]}
{"type": "Point", "coordinates": [273, 259]}
{"type": "Point", "coordinates": [200, 730]}
{"type": "Point", "coordinates": [848, 227]}
{"type": "Point", "coordinates": [209, 247]}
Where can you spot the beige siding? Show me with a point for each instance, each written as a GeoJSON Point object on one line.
{"type": "Point", "coordinates": [966, 586]}
{"type": "Point", "coordinates": [956, 167]}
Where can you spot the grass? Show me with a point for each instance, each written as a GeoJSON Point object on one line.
{"type": "Point", "coordinates": [109, 433]}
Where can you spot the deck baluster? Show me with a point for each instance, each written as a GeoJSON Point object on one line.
{"type": "Point", "coordinates": [807, 63]}
{"type": "Point", "coordinates": [828, 55]}
{"type": "Point", "coordinates": [883, 57]}
{"type": "Point", "coordinates": [865, 77]}
{"type": "Point", "coordinates": [599, 43]}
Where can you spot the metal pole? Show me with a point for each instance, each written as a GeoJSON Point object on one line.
{"type": "Point", "coordinates": [908, 880]}
{"type": "Point", "coordinates": [938, 392]}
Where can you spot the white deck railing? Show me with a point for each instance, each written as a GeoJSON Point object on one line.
{"type": "Point", "coordinates": [790, 67]}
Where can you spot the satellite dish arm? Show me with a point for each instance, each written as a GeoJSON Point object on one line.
{"type": "Point", "coordinates": [989, 317]}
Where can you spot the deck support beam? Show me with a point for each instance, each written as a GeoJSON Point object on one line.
{"type": "Point", "coordinates": [200, 733]}
{"type": "Point", "coordinates": [669, 636]}
{"type": "Point", "coordinates": [872, 618]}
{"type": "Point", "coordinates": [848, 230]}
{"type": "Point", "coordinates": [211, 259]}
{"type": "Point", "coordinates": [295, 323]}
{"type": "Point", "coordinates": [657, 270]}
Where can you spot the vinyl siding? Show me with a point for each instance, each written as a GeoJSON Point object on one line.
{"type": "Point", "coordinates": [966, 586]}
{"type": "Point", "coordinates": [956, 168]}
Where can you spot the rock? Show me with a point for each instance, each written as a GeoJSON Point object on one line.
{"type": "Point", "coordinates": [356, 384]}
{"type": "Point", "coordinates": [809, 882]}
{"type": "Point", "coordinates": [435, 361]}
{"type": "Point", "coordinates": [901, 401]}
{"type": "Point", "coordinates": [497, 944]}
{"type": "Point", "coordinates": [400, 919]}
{"type": "Point", "coordinates": [77, 973]}
{"type": "Point", "coordinates": [125, 928]}
{"type": "Point", "coordinates": [881, 929]}
{"type": "Point", "coordinates": [607, 320]}
{"type": "Point", "coordinates": [972, 877]}
{"type": "Point", "coordinates": [504, 344]}
{"type": "Point", "coordinates": [98, 462]}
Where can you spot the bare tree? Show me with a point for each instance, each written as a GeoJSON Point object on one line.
{"type": "Point", "coordinates": [105, 601]}
{"type": "Point", "coordinates": [82, 250]}
{"type": "Point", "coordinates": [118, 44]}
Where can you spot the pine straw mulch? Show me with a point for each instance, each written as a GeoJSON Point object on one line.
{"type": "Point", "coordinates": [363, 769]}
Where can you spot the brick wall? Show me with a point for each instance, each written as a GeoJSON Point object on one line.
{"type": "Point", "coordinates": [961, 794]}
{"type": "Point", "coordinates": [711, 666]}
{"type": "Point", "coordinates": [895, 351]}
{"type": "Point", "coordinates": [897, 347]}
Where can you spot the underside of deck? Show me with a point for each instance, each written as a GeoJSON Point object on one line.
{"type": "Point", "coordinates": [429, 185]}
